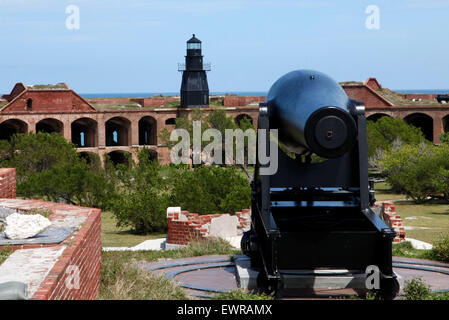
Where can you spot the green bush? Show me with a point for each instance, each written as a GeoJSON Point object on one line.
{"type": "Point", "coordinates": [76, 184]}
{"type": "Point", "coordinates": [48, 167]}
{"type": "Point", "coordinates": [216, 119]}
{"type": "Point", "coordinates": [419, 171]}
{"type": "Point", "coordinates": [207, 190]}
{"type": "Point", "coordinates": [140, 198]}
{"type": "Point", "coordinates": [33, 153]}
{"type": "Point", "coordinates": [444, 137]}
{"type": "Point", "coordinates": [440, 250]}
{"type": "Point", "coordinates": [416, 289]}
{"type": "Point", "coordinates": [382, 133]}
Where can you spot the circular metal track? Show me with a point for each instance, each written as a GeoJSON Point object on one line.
{"type": "Point", "coordinates": [220, 263]}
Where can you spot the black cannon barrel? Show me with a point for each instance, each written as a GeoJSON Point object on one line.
{"type": "Point", "coordinates": [312, 113]}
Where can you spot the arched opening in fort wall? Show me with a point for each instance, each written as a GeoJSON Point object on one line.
{"type": "Point", "coordinates": [12, 126]}
{"type": "Point", "coordinates": [119, 157]}
{"type": "Point", "coordinates": [423, 122]}
{"type": "Point", "coordinates": [147, 131]}
{"type": "Point", "coordinates": [50, 125]}
{"type": "Point", "coordinates": [170, 122]}
{"type": "Point", "coordinates": [85, 133]}
{"type": "Point", "coordinates": [446, 123]}
{"type": "Point", "coordinates": [118, 132]}
{"type": "Point", "coordinates": [91, 157]}
{"type": "Point", "coordinates": [152, 155]}
{"type": "Point", "coordinates": [376, 116]}
{"type": "Point", "coordinates": [238, 119]}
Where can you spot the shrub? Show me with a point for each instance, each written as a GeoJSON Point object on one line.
{"type": "Point", "coordinates": [207, 190]}
{"type": "Point", "coordinates": [49, 167]}
{"type": "Point", "coordinates": [382, 133]}
{"type": "Point", "coordinates": [33, 153]}
{"type": "Point", "coordinates": [216, 119]}
{"type": "Point", "coordinates": [441, 179]}
{"type": "Point", "coordinates": [74, 183]}
{"type": "Point", "coordinates": [416, 289]}
{"type": "Point", "coordinates": [415, 170]}
{"type": "Point", "coordinates": [440, 250]}
{"type": "Point", "coordinates": [444, 137]}
{"type": "Point", "coordinates": [140, 198]}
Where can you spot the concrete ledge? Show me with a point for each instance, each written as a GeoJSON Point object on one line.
{"type": "Point", "coordinates": [246, 277]}
{"type": "Point", "coordinates": [17, 266]}
{"type": "Point", "coordinates": [331, 282]}
{"type": "Point", "coordinates": [173, 246]}
{"type": "Point", "coordinates": [332, 279]}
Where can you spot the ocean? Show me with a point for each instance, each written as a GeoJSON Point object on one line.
{"type": "Point", "coordinates": [425, 91]}
{"type": "Point", "coordinates": [151, 94]}
{"type": "Point", "coordinates": [238, 93]}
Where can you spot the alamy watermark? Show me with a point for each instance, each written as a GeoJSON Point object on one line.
{"type": "Point", "coordinates": [72, 281]}
{"type": "Point", "coordinates": [372, 22]}
{"type": "Point", "coordinates": [72, 22]}
{"type": "Point", "coordinates": [372, 281]}
{"type": "Point", "coordinates": [187, 151]}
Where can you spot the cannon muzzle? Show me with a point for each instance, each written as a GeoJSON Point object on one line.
{"type": "Point", "coordinates": [312, 113]}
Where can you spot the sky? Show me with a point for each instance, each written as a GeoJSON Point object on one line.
{"type": "Point", "coordinates": [135, 45]}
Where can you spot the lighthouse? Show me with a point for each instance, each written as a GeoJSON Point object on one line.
{"type": "Point", "coordinates": [194, 87]}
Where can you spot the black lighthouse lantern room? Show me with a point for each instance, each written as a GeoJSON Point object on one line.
{"type": "Point", "coordinates": [194, 87]}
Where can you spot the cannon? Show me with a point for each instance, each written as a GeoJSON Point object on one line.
{"type": "Point", "coordinates": [442, 98]}
{"type": "Point", "coordinates": [312, 223]}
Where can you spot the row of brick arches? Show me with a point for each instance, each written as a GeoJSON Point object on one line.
{"type": "Point", "coordinates": [85, 130]}
{"type": "Point", "coordinates": [117, 137]}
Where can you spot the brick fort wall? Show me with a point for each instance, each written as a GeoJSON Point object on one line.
{"type": "Point", "coordinates": [7, 182]}
{"type": "Point", "coordinates": [81, 255]}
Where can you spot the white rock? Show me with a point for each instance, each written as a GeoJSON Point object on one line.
{"type": "Point", "coordinates": [223, 226]}
{"type": "Point", "coordinates": [418, 244]}
{"type": "Point", "coordinates": [23, 226]}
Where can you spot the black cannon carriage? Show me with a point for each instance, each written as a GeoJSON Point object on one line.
{"type": "Point", "coordinates": [312, 223]}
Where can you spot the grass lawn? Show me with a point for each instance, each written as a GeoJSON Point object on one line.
{"type": "Point", "coordinates": [427, 220]}
{"type": "Point", "coordinates": [112, 236]}
{"type": "Point", "coordinates": [383, 192]}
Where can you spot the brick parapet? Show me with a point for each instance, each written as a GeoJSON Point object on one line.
{"type": "Point", "coordinates": [184, 227]}
{"type": "Point", "coordinates": [235, 101]}
{"type": "Point", "coordinates": [8, 183]}
{"type": "Point", "coordinates": [393, 220]}
{"type": "Point", "coordinates": [81, 258]}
